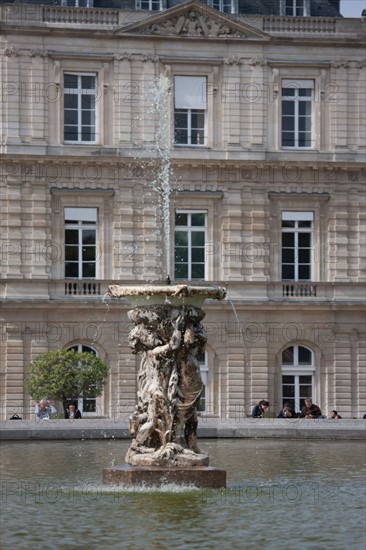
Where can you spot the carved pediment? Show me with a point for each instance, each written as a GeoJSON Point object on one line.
{"type": "Point", "coordinates": [193, 19]}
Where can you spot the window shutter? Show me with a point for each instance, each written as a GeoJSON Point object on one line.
{"type": "Point", "coordinates": [190, 92]}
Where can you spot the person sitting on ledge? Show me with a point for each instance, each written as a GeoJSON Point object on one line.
{"type": "Point", "coordinates": [72, 412]}
{"type": "Point", "coordinates": [287, 411]}
{"type": "Point", "coordinates": [334, 415]}
{"type": "Point", "coordinates": [43, 409]}
{"type": "Point", "coordinates": [260, 409]}
{"type": "Point", "coordinates": [310, 410]}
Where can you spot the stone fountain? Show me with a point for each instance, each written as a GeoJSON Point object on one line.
{"type": "Point", "coordinates": [169, 335]}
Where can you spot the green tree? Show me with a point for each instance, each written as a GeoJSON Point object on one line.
{"type": "Point", "coordinates": [65, 374]}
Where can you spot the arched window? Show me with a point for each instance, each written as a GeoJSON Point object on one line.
{"type": "Point", "coordinates": [88, 403]}
{"type": "Point", "coordinates": [297, 375]}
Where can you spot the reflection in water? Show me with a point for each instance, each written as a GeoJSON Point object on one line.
{"type": "Point", "coordinates": [280, 494]}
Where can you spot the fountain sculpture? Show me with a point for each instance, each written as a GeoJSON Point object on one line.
{"type": "Point", "coordinates": [169, 335]}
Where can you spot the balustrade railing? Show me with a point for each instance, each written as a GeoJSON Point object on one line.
{"type": "Point", "coordinates": [299, 24]}
{"type": "Point", "coordinates": [82, 288]}
{"type": "Point", "coordinates": [84, 16]}
{"type": "Point", "coordinates": [296, 290]}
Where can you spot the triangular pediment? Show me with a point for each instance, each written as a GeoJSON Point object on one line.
{"type": "Point", "coordinates": [193, 20]}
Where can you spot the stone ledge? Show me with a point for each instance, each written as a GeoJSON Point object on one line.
{"type": "Point", "coordinates": [294, 428]}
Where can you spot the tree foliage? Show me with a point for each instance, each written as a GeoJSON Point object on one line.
{"type": "Point", "coordinates": [65, 374]}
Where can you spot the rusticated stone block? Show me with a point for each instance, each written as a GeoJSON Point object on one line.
{"type": "Point", "coordinates": [154, 476]}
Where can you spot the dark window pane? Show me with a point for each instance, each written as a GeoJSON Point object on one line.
{"type": "Point", "coordinates": [71, 269]}
{"type": "Point", "coordinates": [288, 273]}
{"type": "Point", "coordinates": [198, 271]}
{"type": "Point", "coordinates": [89, 253]}
{"type": "Point", "coordinates": [304, 240]}
{"type": "Point", "coordinates": [72, 253]}
{"type": "Point", "coordinates": [198, 255]}
{"type": "Point", "coordinates": [181, 238]}
{"type": "Point", "coordinates": [89, 406]}
{"type": "Point", "coordinates": [198, 238]}
{"type": "Point", "coordinates": [305, 223]}
{"type": "Point", "coordinates": [288, 356]}
{"type": "Point", "coordinates": [305, 92]}
{"type": "Point", "coordinates": [88, 270]}
{"type": "Point", "coordinates": [181, 119]}
{"type": "Point", "coordinates": [89, 236]}
{"type": "Point", "coordinates": [88, 101]}
{"type": "Point", "coordinates": [288, 256]}
{"type": "Point", "coordinates": [304, 356]}
{"type": "Point", "coordinates": [288, 92]}
{"type": "Point", "coordinates": [88, 82]}
{"type": "Point", "coordinates": [181, 255]}
{"type": "Point", "coordinates": [304, 256]}
{"type": "Point", "coordinates": [71, 101]}
{"type": "Point", "coordinates": [198, 220]}
{"type": "Point", "coordinates": [70, 133]}
{"type": "Point", "coordinates": [288, 240]}
{"type": "Point", "coordinates": [197, 119]}
{"type": "Point", "coordinates": [288, 391]}
{"type": "Point", "coordinates": [305, 380]}
{"type": "Point", "coordinates": [288, 223]}
{"type": "Point", "coordinates": [71, 118]}
{"type": "Point", "coordinates": [288, 139]}
{"type": "Point", "coordinates": [304, 273]}
{"type": "Point", "coordinates": [71, 236]}
{"type": "Point", "coordinates": [304, 139]}
{"type": "Point", "coordinates": [87, 134]}
{"type": "Point", "coordinates": [288, 124]}
{"type": "Point", "coordinates": [70, 81]}
{"type": "Point", "coordinates": [288, 108]}
{"type": "Point", "coordinates": [181, 219]}
{"type": "Point", "coordinates": [288, 379]}
{"type": "Point", "coordinates": [181, 271]}
{"type": "Point", "coordinates": [197, 137]}
{"type": "Point", "coordinates": [181, 136]}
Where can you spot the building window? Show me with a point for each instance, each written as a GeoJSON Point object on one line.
{"type": "Point", "coordinates": [225, 6]}
{"type": "Point", "coordinates": [297, 113]}
{"type": "Point", "coordinates": [87, 403]}
{"type": "Point", "coordinates": [297, 376]}
{"type": "Point", "coordinates": [80, 243]}
{"type": "Point", "coordinates": [203, 365]}
{"type": "Point", "coordinates": [152, 5]}
{"type": "Point", "coordinates": [190, 237]}
{"type": "Point", "coordinates": [295, 7]}
{"type": "Point", "coordinates": [79, 108]}
{"type": "Point", "coordinates": [296, 246]}
{"type": "Point", "coordinates": [190, 105]}
{"type": "Point", "coordinates": [78, 3]}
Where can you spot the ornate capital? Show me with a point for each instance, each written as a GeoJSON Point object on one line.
{"type": "Point", "coordinates": [9, 52]}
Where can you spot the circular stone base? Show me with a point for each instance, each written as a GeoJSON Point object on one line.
{"type": "Point", "coordinates": [155, 476]}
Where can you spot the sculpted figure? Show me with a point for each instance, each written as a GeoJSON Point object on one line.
{"type": "Point", "coordinates": [169, 382]}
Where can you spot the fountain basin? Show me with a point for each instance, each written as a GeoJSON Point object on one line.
{"type": "Point", "coordinates": [176, 295]}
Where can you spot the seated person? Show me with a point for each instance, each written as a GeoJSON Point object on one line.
{"type": "Point", "coordinates": [310, 410]}
{"type": "Point", "coordinates": [260, 409]}
{"type": "Point", "coordinates": [335, 415]}
{"type": "Point", "coordinates": [72, 412]}
{"type": "Point", "coordinates": [287, 411]}
{"type": "Point", "coordinates": [43, 409]}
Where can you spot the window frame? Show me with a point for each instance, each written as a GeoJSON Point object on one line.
{"type": "Point", "coordinates": [297, 99]}
{"type": "Point", "coordinates": [138, 5]}
{"type": "Point", "coordinates": [190, 112]}
{"type": "Point", "coordinates": [305, 9]}
{"type": "Point", "coordinates": [190, 231]}
{"type": "Point", "coordinates": [298, 216]}
{"type": "Point", "coordinates": [79, 347]}
{"type": "Point", "coordinates": [298, 370]}
{"type": "Point", "coordinates": [233, 5]}
{"type": "Point", "coordinates": [80, 226]}
{"type": "Point", "coordinates": [89, 3]}
{"type": "Point", "coordinates": [79, 109]}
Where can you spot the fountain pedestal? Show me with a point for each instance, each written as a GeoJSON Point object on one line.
{"type": "Point", "coordinates": [169, 335]}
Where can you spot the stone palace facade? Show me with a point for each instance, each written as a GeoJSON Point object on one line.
{"type": "Point", "coordinates": [266, 120]}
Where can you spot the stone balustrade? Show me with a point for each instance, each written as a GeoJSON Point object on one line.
{"type": "Point", "coordinates": [282, 24]}
{"type": "Point", "coordinates": [83, 16]}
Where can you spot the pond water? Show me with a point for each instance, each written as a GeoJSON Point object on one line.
{"type": "Point", "coordinates": [280, 494]}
